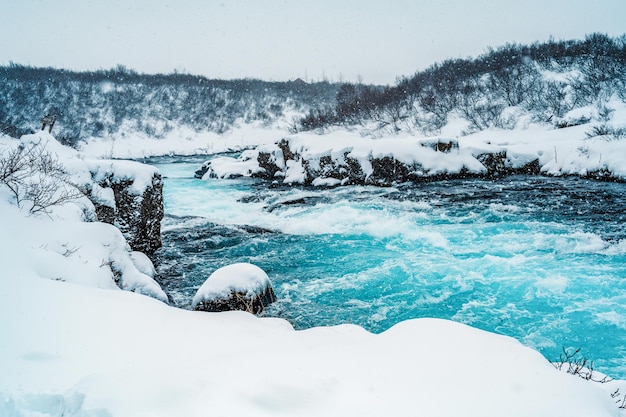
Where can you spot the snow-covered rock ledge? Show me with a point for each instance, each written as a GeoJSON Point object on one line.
{"type": "Point", "coordinates": [342, 158]}
{"type": "Point", "coordinates": [126, 194]}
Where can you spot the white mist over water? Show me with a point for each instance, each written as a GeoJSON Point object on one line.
{"type": "Point", "coordinates": [542, 260]}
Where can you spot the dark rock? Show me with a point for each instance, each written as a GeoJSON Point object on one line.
{"type": "Point", "coordinates": [293, 202]}
{"type": "Point", "coordinates": [531, 168]}
{"type": "Point", "coordinates": [441, 144]}
{"type": "Point", "coordinates": [388, 170]}
{"type": "Point", "coordinates": [239, 301]}
{"type": "Point", "coordinates": [104, 213]}
{"type": "Point", "coordinates": [202, 170]}
{"type": "Point", "coordinates": [354, 171]}
{"type": "Point", "coordinates": [284, 147]}
{"type": "Point", "coordinates": [497, 165]}
{"type": "Point", "coordinates": [138, 216]}
{"type": "Point", "coordinates": [266, 162]}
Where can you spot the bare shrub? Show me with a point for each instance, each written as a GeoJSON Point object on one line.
{"type": "Point", "coordinates": [572, 362]}
{"type": "Point", "coordinates": [575, 364]}
{"type": "Point", "coordinates": [36, 178]}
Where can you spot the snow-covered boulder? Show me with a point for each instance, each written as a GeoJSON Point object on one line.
{"type": "Point", "coordinates": [239, 286]}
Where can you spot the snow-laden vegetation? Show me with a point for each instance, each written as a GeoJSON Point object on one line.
{"type": "Point", "coordinates": [557, 83]}
{"type": "Point", "coordinates": [119, 102]}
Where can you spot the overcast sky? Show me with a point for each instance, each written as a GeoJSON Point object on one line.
{"type": "Point", "coordinates": [375, 41]}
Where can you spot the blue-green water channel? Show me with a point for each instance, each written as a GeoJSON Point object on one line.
{"type": "Point", "coordinates": [539, 259]}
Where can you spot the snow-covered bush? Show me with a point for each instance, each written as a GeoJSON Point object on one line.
{"type": "Point", "coordinates": [607, 132]}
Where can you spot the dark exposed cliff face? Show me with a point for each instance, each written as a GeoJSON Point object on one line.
{"type": "Point", "coordinates": [137, 215]}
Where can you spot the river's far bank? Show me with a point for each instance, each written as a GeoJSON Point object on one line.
{"type": "Point", "coordinates": [585, 146]}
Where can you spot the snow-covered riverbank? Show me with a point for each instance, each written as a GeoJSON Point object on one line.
{"type": "Point", "coordinates": [342, 157]}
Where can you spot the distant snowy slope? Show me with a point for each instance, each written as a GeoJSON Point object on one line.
{"type": "Point", "coordinates": [558, 83]}
{"type": "Point", "coordinates": [118, 102]}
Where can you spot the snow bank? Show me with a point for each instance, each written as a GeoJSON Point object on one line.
{"type": "Point", "coordinates": [181, 141]}
{"type": "Point", "coordinates": [143, 263]}
{"type": "Point", "coordinates": [341, 157]}
{"type": "Point", "coordinates": [139, 175]}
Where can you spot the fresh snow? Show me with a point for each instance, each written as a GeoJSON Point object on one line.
{"type": "Point", "coordinates": [73, 344]}
{"type": "Point", "coordinates": [143, 263]}
{"type": "Point", "coordinates": [115, 170]}
{"type": "Point", "coordinates": [137, 145]}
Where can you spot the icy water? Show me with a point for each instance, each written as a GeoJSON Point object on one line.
{"type": "Point", "coordinates": [539, 259]}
